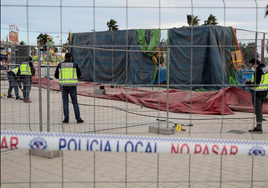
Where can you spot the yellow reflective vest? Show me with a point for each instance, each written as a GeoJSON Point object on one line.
{"type": "Point", "coordinates": [263, 86]}
{"type": "Point", "coordinates": [25, 68]}
{"type": "Point", "coordinates": [15, 71]}
{"type": "Point", "coordinates": [67, 74]}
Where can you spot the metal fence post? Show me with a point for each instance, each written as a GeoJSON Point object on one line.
{"type": "Point", "coordinates": [262, 48]}
{"type": "Point", "coordinates": [94, 76]}
{"type": "Point", "coordinates": [40, 89]}
{"type": "Point", "coordinates": [127, 64]}
{"type": "Point", "coordinates": [168, 64]}
{"type": "Point", "coordinates": [48, 90]}
{"type": "Point", "coordinates": [256, 44]}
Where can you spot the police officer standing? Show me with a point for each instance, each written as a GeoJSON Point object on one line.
{"type": "Point", "coordinates": [26, 71]}
{"type": "Point", "coordinates": [258, 87]}
{"type": "Point", "coordinates": [68, 73]}
{"type": "Point", "coordinates": [13, 83]}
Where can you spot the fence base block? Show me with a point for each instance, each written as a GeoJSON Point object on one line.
{"type": "Point", "coordinates": [100, 91]}
{"type": "Point", "coordinates": [161, 129]}
{"type": "Point", "coordinates": [46, 154]}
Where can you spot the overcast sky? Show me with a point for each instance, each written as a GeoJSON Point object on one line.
{"type": "Point", "coordinates": [44, 16]}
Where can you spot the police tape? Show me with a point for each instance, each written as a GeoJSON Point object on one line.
{"type": "Point", "coordinates": [125, 143]}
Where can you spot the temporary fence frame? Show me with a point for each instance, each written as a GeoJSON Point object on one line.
{"type": "Point", "coordinates": [42, 120]}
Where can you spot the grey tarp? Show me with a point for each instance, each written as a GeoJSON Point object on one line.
{"type": "Point", "coordinates": [112, 66]}
{"type": "Point", "coordinates": [201, 54]}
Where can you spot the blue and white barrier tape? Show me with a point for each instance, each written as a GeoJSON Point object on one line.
{"type": "Point", "coordinates": [125, 143]}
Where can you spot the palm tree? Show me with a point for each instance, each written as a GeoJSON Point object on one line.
{"type": "Point", "coordinates": [266, 11]}
{"type": "Point", "coordinates": [42, 39]}
{"type": "Point", "coordinates": [112, 25]}
{"type": "Point", "coordinates": [192, 20]}
{"type": "Point", "coordinates": [212, 20]}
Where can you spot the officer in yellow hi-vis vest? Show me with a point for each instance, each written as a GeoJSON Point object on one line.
{"type": "Point", "coordinates": [68, 73]}
{"type": "Point", "coordinates": [259, 87]}
{"type": "Point", "coordinates": [26, 71]}
{"type": "Point", "coordinates": [14, 82]}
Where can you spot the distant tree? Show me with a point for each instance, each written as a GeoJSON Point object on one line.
{"type": "Point", "coordinates": [112, 25]}
{"type": "Point", "coordinates": [42, 39]}
{"type": "Point", "coordinates": [212, 20]}
{"type": "Point", "coordinates": [248, 52]}
{"type": "Point", "coordinates": [192, 20]}
{"type": "Point", "coordinates": [22, 43]}
{"type": "Point", "coordinates": [266, 11]}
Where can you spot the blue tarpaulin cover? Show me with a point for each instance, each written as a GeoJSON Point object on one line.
{"type": "Point", "coordinates": [207, 62]}
{"type": "Point", "coordinates": [113, 66]}
{"type": "Point", "coordinates": [161, 75]}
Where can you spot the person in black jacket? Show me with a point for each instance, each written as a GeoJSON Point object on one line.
{"type": "Point", "coordinates": [68, 73]}
{"type": "Point", "coordinates": [258, 87]}
{"type": "Point", "coordinates": [26, 71]}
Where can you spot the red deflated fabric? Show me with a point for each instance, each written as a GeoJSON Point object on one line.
{"type": "Point", "coordinates": [225, 101]}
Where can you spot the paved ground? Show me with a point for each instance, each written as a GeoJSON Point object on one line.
{"type": "Point", "coordinates": [115, 170]}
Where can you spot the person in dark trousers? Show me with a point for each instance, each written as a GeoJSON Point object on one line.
{"type": "Point", "coordinates": [14, 82]}
{"type": "Point", "coordinates": [26, 71]}
{"type": "Point", "coordinates": [258, 87]}
{"type": "Point", "coordinates": [68, 73]}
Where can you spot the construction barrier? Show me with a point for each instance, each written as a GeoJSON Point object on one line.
{"type": "Point", "coordinates": [124, 143]}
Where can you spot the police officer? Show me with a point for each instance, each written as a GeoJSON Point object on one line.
{"type": "Point", "coordinates": [258, 87]}
{"type": "Point", "coordinates": [26, 71]}
{"type": "Point", "coordinates": [68, 73]}
{"type": "Point", "coordinates": [13, 83]}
